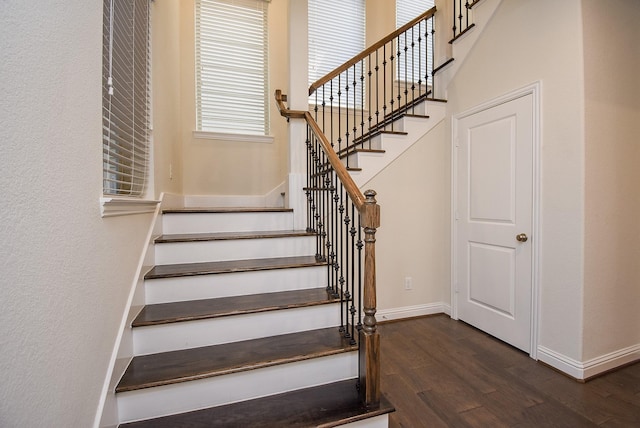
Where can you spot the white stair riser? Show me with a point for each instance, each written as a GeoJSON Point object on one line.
{"type": "Point", "coordinates": [197, 287]}
{"type": "Point", "coordinates": [226, 222]}
{"type": "Point", "coordinates": [395, 145]}
{"type": "Point", "coordinates": [186, 396]}
{"type": "Point", "coordinates": [194, 334]}
{"type": "Point", "coordinates": [381, 421]}
{"type": "Point", "coordinates": [235, 249]}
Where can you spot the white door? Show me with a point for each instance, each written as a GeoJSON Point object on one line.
{"type": "Point", "coordinates": [493, 226]}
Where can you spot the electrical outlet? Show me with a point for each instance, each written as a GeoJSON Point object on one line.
{"type": "Point", "coordinates": [408, 283]}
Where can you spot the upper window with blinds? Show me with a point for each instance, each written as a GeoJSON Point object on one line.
{"type": "Point", "coordinates": [415, 45]}
{"type": "Point", "coordinates": [336, 34]}
{"type": "Point", "coordinates": [232, 67]}
{"type": "Point", "coordinates": [125, 97]}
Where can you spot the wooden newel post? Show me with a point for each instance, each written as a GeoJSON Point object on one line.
{"type": "Point", "coordinates": [369, 351]}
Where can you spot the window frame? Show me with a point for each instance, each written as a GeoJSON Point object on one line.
{"type": "Point", "coordinates": [213, 104]}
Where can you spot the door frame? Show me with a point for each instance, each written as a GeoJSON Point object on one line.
{"type": "Point", "coordinates": [534, 90]}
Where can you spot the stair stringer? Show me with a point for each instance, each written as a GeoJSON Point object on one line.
{"type": "Point", "coordinates": [482, 12]}
{"type": "Point", "coordinates": [394, 145]}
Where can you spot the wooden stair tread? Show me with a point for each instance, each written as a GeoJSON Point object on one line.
{"type": "Point", "coordinates": [226, 210]}
{"type": "Point", "coordinates": [207, 268]}
{"type": "Point", "coordinates": [165, 313]}
{"type": "Point", "coordinates": [328, 405]}
{"type": "Point", "coordinates": [172, 367]}
{"type": "Point", "coordinates": [222, 236]}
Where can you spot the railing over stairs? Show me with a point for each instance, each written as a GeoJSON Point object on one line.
{"type": "Point", "coordinates": [352, 104]}
{"type": "Point", "coordinates": [368, 93]}
{"type": "Point", "coordinates": [338, 212]}
{"type": "Point", "coordinates": [462, 17]}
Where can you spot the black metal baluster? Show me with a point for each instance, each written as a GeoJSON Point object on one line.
{"type": "Point", "coordinates": [362, 101]}
{"type": "Point", "coordinates": [355, 110]}
{"type": "Point", "coordinates": [466, 5]}
{"type": "Point", "coordinates": [399, 58]}
{"type": "Point", "coordinates": [413, 70]}
{"type": "Point", "coordinates": [460, 16]}
{"type": "Point", "coordinates": [420, 59]}
{"type": "Point", "coordinates": [370, 96]}
{"type": "Point", "coordinates": [377, 96]}
{"type": "Point", "coordinates": [393, 70]}
{"type": "Point", "coordinates": [308, 187]}
{"type": "Point", "coordinates": [340, 258]}
{"type": "Point", "coordinates": [359, 245]}
{"type": "Point", "coordinates": [324, 105]}
{"type": "Point", "coordinates": [327, 220]}
{"type": "Point", "coordinates": [336, 234]}
{"type": "Point", "coordinates": [433, 56]}
{"type": "Point", "coordinates": [346, 125]}
{"type": "Point", "coordinates": [406, 65]}
{"type": "Point", "coordinates": [454, 18]}
{"type": "Point", "coordinates": [352, 310]}
{"type": "Point", "coordinates": [384, 82]}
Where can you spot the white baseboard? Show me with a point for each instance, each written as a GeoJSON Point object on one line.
{"type": "Point", "coordinates": [413, 311]}
{"type": "Point", "coordinates": [273, 198]}
{"type": "Point", "coordinates": [586, 369]}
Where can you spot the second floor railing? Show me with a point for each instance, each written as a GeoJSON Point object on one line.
{"type": "Point", "coordinates": [367, 94]}
{"type": "Point", "coordinates": [462, 17]}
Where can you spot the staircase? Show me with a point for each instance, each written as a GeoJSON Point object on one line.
{"type": "Point", "coordinates": [238, 329]}
{"type": "Point", "coordinates": [386, 145]}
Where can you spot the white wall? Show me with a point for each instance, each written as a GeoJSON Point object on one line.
{"type": "Point", "coordinates": [65, 271]}
{"type": "Point", "coordinates": [166, 90]}
{"type": "Point", "coordinates": [234, 167]}
{"type": "Point", "coordinates": [528, 41]}
{"type": "Point", "coordinates": [612, 199]}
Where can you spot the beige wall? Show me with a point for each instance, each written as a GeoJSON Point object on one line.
{"type": "Point", "coordinates": [612, 198]}
{"type": "Point", "coordinates": [66, 272]}
{"type": "Point", "coordinates": [515, 50]}
{"type": "Point", "coordinates": [414, 237]}
{"type": "Point", "coordinates": [232, 167]}
{"type": "Point", "coordinates": [167, 102]}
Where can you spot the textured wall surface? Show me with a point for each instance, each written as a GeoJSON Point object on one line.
{"type": "Point", "coordinates": [66, 272]}
{"type": "Point", "coordinates": [612, 199]}
{"type": "Point", "coordinates": [541, 41]}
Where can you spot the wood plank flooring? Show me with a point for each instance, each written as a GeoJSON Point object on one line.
{"type": "Point", "coordinates": [438, 372]}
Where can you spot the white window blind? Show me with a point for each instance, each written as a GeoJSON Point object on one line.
{"type": "Point", "coordinates": [336, 34]}
{"type": "Point", "coordinates": [232, 66]}
{"type": "Point", "coordinates": [125, 97]}
{"type": "Point", "coordinates": [422, 64]}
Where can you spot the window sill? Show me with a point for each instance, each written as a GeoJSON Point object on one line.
{"type": "Point", "coordinates": [111, 206]}
{"type": "Point", "coordinates": [221, 136]}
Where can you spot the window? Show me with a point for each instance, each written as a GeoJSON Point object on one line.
{"type": "Point", "coordinates": [336, 34]}
{"type": "Point", "coordinates": [232, 67]}
{"type": "Point", "coordinates": [125, 97]}
{"type": "Point", "coordinates": [406, 10]}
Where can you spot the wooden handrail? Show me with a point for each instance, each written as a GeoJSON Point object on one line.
{"type": "Point", "coordinates": [284, 111]}
{"type": "Point", "coordinates": [341, 171]}
{"type": "Point", "coordinates": [367, 206]}
{"type": "Point", "coordinates": [318, 83]}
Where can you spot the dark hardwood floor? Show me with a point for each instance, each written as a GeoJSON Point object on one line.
{"type": "Point", "coordinates": [438, 372]}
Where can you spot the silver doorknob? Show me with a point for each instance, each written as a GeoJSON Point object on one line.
{"type": "Point", "coordinates": [522, 237]}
